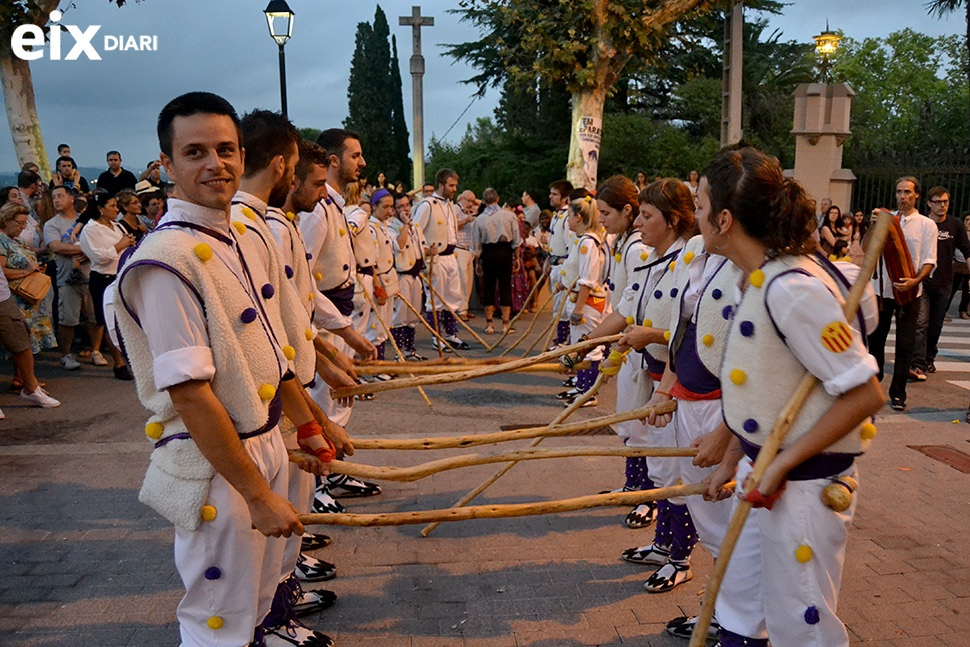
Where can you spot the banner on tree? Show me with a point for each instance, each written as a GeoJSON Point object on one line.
{"type": "Point", "coordinates": [590, 131]}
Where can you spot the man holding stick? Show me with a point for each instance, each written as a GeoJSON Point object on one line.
{"type": "Point", "coordinates": [435, 217]}
{"type": "Point", "coordinates": [409, 252]}
{"type": "Point", "coordinates": [216, 386]}
{"type": "Point", "coordinates": [558, 249]}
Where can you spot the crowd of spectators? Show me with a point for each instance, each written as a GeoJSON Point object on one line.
{"type": "Point", "coordinates": [60, 243]}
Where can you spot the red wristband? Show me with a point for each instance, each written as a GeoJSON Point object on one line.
{"type": "Point", "coordinates": [758, 500]}
{"type": "Point", "coordinates": [310, 429]}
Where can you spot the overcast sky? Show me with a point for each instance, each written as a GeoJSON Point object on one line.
{"type": "Point", "coordinates": [224, 46]}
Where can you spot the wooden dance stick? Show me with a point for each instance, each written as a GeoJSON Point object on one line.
{"type": "Point", "coordinates": [538, 284]}
{"type": "Point", "coordinates": [455, 315]}
{"type": "Point", "coordinates": [424, 470]}
{"type": "Point", "coordinates": [434, 312]}
{"type": "Point", "coordinates": [390, 337]}
{"type": "Point", "coordinates": [778, 432]}
{"type": "Point", "coordinates": [414, 368]}
{"type": "Point", "coordinates": [434, 333]}
{"type": "Point", "coordinates": [461, 376]}
{"type": "Point", "coordinates": [487, 483]}
{"type": "Point", "coordinates": [551, 328]}
{"type": "Point", "coordinates": [501, 511]}
{"type": "Point", "coordinates": [475, 440]}
{"type": "Point", "coordinates": [446, 361]}
{"type": "Point", "coordinates": [532, 324]}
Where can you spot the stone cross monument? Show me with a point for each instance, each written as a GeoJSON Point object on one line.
{"type": "Point", "coordinates": [416, 21]}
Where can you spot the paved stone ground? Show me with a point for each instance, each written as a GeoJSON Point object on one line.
{"type": "Point", "coordinates": [83, 563]}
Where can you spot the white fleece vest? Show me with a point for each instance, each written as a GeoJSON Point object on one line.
{"type": "Point", "coordinates": [365, 247]}
{"type": "Point", "coordinates": [334, 267]}
{"type": "Point", "coordinates": [769, 371]}
{"type": "Point", "coordinates": [713, 309]}
{"type": "Point", "coordinates": [625, 257]}
{"type": "Point", "coordinates": [413, 250]}
{"type": "Point", "coordinates": [384, 263]}
{"type": "Point", "coordinates": [247, 370]}
{"type": "Point", "coordinates": [559, 235]}
{"type": "Point", "coordinates": [436, 228]}
{"type": "Point", "coordinates": [290, 306]}
{"type": "Point", "coordinates": [659, 304]}
{"type": "Point", "coordinates": [299, 272]}
{"type": "Point", "coordinates": [588, 243]}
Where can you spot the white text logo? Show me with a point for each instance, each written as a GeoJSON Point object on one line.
{"type": "Point", "coordinates": [27, 42]}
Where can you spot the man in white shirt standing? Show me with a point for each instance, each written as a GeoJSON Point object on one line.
{"type": "Point", "coordinates": [435, 217]}
{"type": "Point", "coordinates": [920, 233]}
{"type": "Point", "coordinates": [466, 210]}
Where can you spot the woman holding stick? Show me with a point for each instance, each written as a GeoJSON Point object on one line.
{"type": "Point", "coordinates": [789, 320]}
{"type": "Point", "coordinates": [585, 270]}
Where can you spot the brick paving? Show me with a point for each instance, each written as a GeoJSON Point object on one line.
{"type": "Point", "coordinates": [83, 563]}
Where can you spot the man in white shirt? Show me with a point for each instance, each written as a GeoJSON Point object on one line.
{"type": "Point", "coordinates": [435, 217]}
{"type": "Point", "coordinates": [920, 233]}
{"type": "Point", "coordinates": [466, 210]}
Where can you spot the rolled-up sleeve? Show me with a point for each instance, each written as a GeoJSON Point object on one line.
{"type": "Point", "coordinates": [810, 317]}
{"type": "Point", "coordinates": [173, 320]}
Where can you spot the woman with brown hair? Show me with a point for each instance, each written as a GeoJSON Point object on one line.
{"type": "Point", "coordinates": [789, 321]}
{"type": "Point", "coordinates": [19, 261]}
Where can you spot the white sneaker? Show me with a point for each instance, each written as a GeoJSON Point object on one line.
{"type": "Point", "coordinates": [2, 415]}
{"type": "Point", "coordinates": [40, 398]}
{"type": "Point", "coordinates": [69, 363]}
{"type": "Point", "coordinates": [98, 359]}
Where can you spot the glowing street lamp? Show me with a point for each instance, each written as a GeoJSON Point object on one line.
{"type": "Point", "coordinates": [825, 44]}
{"type": "Point", "coordinates": [279, 17]}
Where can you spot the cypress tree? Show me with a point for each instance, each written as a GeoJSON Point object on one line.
{"type": "Point", "coordinates": [373, 93]}
{"type": "Point", "coordinates": [400, 169]}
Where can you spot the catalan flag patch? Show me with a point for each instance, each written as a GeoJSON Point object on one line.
{"type": "Point", "coordinates": [837, 337]}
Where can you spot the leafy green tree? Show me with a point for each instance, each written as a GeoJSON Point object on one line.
{"type": "Point", "coordinates": [941, 8]}
{"type": "Point", "coordinates": [371, 98]}
{"type": "Point", "coordinates": [582, 44]}
{"type": "Point", "coordinates": [911, 96]}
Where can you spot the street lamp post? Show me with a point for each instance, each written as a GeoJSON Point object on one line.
{"type": "Point", "coordinates": [279, 17]}
{"type": "Point", "coordinates": [825, 44]}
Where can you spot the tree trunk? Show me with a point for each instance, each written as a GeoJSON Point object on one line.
{"type": "Point", "coordinates": [18, 95]}
{"type": "Point", "coordinates": [587, 108]}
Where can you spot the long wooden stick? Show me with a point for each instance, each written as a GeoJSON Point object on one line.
{"type": "Point", "coordinates": [424, 470]}
{"type": "Point", "coordinates": [508, 328]}
{"type": "Point", "coordinates": [460, 376]}
{"type": "Point", "coordinates": [532, 325]}
{"type": "Point", "coordinates": [390, 337]}
{"type": "Point", "coordinates": [487, 483]}
{"type": "Point", "coordinates": [434, 311]}
{"type": "Point", "coordinates": [455, 315]}
{"type": "Point", "coordinates": [551, 328]}
{"type": "Point", "coordinates": [547, 431]}
{"type": "Point", "coordinates": [443, 369]}
{"type": "Point", "coordinates": [501, 511]}
{"type": "Point", "coordinates": [778, 432]}
{"type": "Point", "coordinates": [434, 333]}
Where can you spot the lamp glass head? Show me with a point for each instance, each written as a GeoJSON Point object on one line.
{"type": "Point", "coordinates": [279, 18]}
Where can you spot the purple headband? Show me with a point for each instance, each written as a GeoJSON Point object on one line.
{"type": "Point", "coordinates": [377, 196]}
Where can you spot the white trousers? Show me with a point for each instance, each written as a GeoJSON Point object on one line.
{"type": "Point", "coordinates": [300, 493]}
{"type": "Point", "coordinates": [230, 570]}
{"type": "Point", "coordinates": [446, 282]}
{"type": "Point", "coordinates": [694, 419]}
{"type": "Point", "coordinates": [466, 274]}
{"type": "Point", "coordinates": [664, 471]}
{"type": "Point", "coordinates": [375, 332]}
{"type": "Point", "coordinates": [410, 290]}
{"type": "Point", "coordinates": [320, 391]}
{"type": "Point", "coordinates": [361, 314]}
{"type": "Point", "coordinates": [634, 387]}
{"type": "Point", "coordinates": [798, 600]}
{"type": "Point", "coordinates": [592, 317]}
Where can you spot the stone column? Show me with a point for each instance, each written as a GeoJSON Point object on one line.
{"type": "Point", "coordinates": [821, 127]}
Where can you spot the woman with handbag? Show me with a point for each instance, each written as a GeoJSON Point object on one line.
{"type": "Point", "coordinates": [102, 240]}
{"type": "Point", "coordinates": [26, 277]}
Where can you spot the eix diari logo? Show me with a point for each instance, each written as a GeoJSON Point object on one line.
{"type": "Point", "coordinates": [32, 37]}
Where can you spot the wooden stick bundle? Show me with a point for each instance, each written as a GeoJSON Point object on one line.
{"type": "Point", "coordinates": [508, 329]}
{"type": "Point", "coordinates": [472, 374]}
{"type": "Point", "coordinates": [532, 324]}
{"type": "Point", "coordinates": [551, 328]}
{"type": "Point", "coordinates": [778, 432]}
{"type": "Point", "coordinates": [390, 337]}
{"type": "Point", "coordinates": [548, 431]}
{"type": "Point", "coordinates": [434, 333]}
{"type": "Point", "coordinates": [487, 483]}
{"type": "Point", "coordinates": [455, 315]}
{"type": "Point", "coordinates": [443, 369]}
{"type": "Point", "coordinates": [501, 511]}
